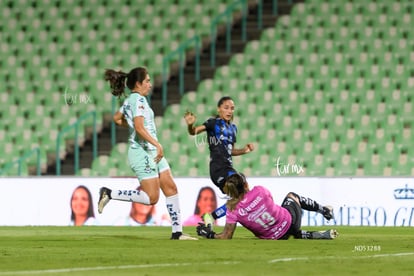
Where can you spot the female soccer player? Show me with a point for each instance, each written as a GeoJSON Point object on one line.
{"type": "Point", "coordinates": [255, 210]}
{"type": "Point", "coordinates": [221, 137]}
{"type": "Point", "coordinates": [145, 154]}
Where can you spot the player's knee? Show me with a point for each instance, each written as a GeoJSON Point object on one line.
{"type": "Point", "coordinates": [167, 184]}
{"type": "Point", "coordinates": [171, 190]}
{"type": "Point", "coordinates": [293, 196]}
{"type": "Point", "coordinates": [153, 199]}
{"type": "Point", "coordinates": [153, 195]}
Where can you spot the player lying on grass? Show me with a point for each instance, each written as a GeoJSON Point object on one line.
{"type": "Point", "coordinates": [255, 210]}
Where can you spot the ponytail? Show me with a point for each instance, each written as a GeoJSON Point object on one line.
{"type": "Point", "coordinates": [117, 81]}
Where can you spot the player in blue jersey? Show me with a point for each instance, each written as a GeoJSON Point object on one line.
{"type": "Point", "coordinates": [221, 137]}
{"type": "Point", "coordinates": [145, 153]}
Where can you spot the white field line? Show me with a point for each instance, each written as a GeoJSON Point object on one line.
{"type": "Point", "coordinates": [97, 268]}
{"type": "Point", "coordinates": [121, 267]}
{"type": "Point", "coordinates": [340, 258]}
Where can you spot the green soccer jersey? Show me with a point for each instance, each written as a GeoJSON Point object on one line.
{"type": "Point", "coordinates": [136, 105]}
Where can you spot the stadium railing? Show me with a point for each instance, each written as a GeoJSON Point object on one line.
{"type": "Point", "coordinates": [274, 5]}
{"type": "Point", "coordinates": [227, 15]}
{"type": "Point", "coordinates": [21, 161]}
{"type": "Point", "coordinates": [181, 51]}
{"type": "Point", "coordinates": [76, 126]}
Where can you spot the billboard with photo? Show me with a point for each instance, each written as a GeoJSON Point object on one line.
{"type": "Point", "coordinates": [356, 201]}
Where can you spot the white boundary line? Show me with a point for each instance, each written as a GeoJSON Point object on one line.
{"type": "Point", "coordinates": [97, 268]}
{"type": "Point", "coordinates": [341, 258]}
{"type": "Point", "coordinates": [120, 267]}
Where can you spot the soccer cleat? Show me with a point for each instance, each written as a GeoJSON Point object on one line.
{"type": "Point", "coordinates": [104, 198]}
{"type": "Point", "coordinates": [181, 236]}
{"type": "Point", "coordinates": [208, 220]}
{"type": "Point", "coordinates": [324, 235]}
{"type": "Point", "coordinates": [328, 212]}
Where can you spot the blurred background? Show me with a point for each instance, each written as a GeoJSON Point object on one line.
{"type": "Point", "coordinates": [321, 85]}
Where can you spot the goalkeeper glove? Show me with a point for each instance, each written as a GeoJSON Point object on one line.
{"type": "Point", "coordinates": [205, 231]}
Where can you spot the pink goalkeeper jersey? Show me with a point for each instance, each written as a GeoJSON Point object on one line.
{"type": "Point", "coordinates": [258, 213]}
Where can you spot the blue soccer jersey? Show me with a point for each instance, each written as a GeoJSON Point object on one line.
{"type": "Point", "coordinates": [221, 136]}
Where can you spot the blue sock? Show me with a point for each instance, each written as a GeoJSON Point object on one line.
{"type": "Point", "coordinates": [219, 212]}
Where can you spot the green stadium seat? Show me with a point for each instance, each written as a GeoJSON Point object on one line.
{"type": "Point", "coordinates": [85, 172]}
{"type": "Point", "coordinates": [347, 167]}
{"type": "Point", "coordinates": [17, 170]}
{"type": "Point", "coordinates": [120, 153]}
{"type": "Point", "coordinates": [347, 62]}
{"type": "Point", "coordinates": [101, 165]}
{"type": "Point", "coordinates": [403, 166]}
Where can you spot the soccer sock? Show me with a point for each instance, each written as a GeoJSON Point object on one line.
{"type": "Point", "coordinates": [309, 204]}
{"type": "Point", "coordinates": [306, 234]}
{"type": "Point", "coordinates": [131, 195]}
{"type": "Point", "coordinates": [173, 207]}
{"type": "Point", "coordinates": [219, 212]}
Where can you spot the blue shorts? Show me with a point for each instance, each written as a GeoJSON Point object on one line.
{"type": "Point", "coordinates": [143, 165]}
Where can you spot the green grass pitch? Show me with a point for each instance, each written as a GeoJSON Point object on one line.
{"type": "Point", "coordinates": [97, 250]}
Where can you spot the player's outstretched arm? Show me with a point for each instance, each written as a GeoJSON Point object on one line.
{"type": "Point", "coordinates": [190, 119]}
{"type": "Point", "coordinates": [227, 233]}
{"type": "Point", "coordinates": [247, 148]}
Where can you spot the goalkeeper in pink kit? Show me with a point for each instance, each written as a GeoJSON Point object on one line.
{"type": "Point", "coordinates": [255, 210]}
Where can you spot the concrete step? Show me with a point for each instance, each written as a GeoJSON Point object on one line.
{"type": "Point", "coordinates": [206, 71]}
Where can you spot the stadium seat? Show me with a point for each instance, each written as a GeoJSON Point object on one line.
{"type": "Point", "coordinates": [66, 50]}
{"type": "Point", "coordinates": [101, 165]}
{"type": "Point", "coordinates": [325, 73]}
{"type": "Point", "coordinates": [346, 62]}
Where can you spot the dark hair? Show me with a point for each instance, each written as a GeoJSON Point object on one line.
{"type": "Point", "coordinates": [197, 209]}
{"type": "Point", "coordinates": [223, 99]}
{"type": "Point", "coordinates": [117, 79]}
{"type": "Point", "coordinates": [234, 188]}
{"type": "Point", "coordinates": [90, 207]}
